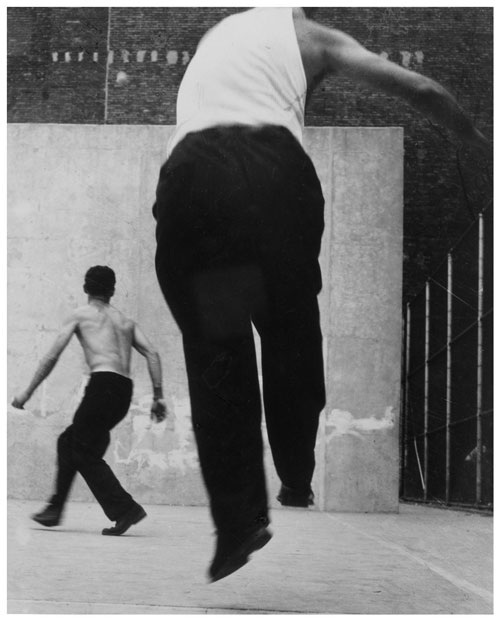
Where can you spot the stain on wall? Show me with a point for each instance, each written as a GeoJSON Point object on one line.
{"type": "Point", "coordinates": [341, 422]}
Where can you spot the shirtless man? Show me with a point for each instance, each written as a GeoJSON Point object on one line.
{"type": "Point", "coordinates": [107, 338]}
{"type": "Point", "coordinates": [239, 212]}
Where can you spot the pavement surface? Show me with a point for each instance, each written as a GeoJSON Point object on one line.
{"type": "Point", "coordinates": [420, 561]}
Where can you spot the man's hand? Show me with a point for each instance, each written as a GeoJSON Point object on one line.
{"type": "Point", "coordinates": [158, 410]}
{"type": "Point", "coordinates": [19, 401]}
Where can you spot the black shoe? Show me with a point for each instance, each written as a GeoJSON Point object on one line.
{"type": "Point", "coordinates": [292, 498]}
{"type": "Point", "coordinates": [50, 516]}
{"type": "Point", "coordinates": [233, 552]}
{"type": "Point", "coordinates": [134, 515]}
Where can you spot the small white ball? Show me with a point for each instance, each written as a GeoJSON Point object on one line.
{"type": "Point", "coordinates": [121, 78]}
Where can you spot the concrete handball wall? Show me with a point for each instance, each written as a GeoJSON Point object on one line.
{"type": "Point", "coordinates": [82, 195]}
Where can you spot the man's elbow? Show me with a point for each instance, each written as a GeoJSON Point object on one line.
{"type": "Point", "coordinates": [152, 354]}
{"type": "Point", "coordinates": [427, 94]}
{"type": "Point", "coordinates": [51, 357]}
{"type": "Point", "coordinates": [48, 362]}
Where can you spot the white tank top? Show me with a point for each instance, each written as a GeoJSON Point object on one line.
{"type": "Point", "coordinates": [247, 70]}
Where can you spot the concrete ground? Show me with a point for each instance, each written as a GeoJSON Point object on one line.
{"type": "Point", "coordinates": [420, 561]}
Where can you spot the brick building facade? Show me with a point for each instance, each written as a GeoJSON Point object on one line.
{"type": "Point", "coordinates": [63, 63]}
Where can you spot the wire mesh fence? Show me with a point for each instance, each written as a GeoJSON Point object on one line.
{"type": "Point", "coordinates": [447, 422]}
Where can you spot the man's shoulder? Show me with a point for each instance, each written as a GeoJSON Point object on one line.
{"type": "Point", "coordinates": [78, 315]}
{"type": "Point", "coordinates": [120, 318]}
{"type": "Point", "coordinates": [70, 321]}
{"type": "Point", "coordinates": [119, 313]}
{"type": "Point", "coordinates": [83, 311]}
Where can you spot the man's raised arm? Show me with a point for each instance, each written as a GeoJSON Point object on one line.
{"type": "Point", "coordinates": [48, 362]}
{"type": "Point", "coordinates": [144, 347]}
{"type": "Point", "coordinates": [332, 51]}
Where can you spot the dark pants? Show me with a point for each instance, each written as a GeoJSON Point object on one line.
{"type": "Point", "coordinates": [239, 223]}
{"type": "Point", "coordinates": [81, 447]}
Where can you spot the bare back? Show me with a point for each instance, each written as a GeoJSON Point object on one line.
{"type": "Point", "coordinates": [106, 337]}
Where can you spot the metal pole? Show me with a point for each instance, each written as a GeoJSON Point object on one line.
{"type": "Point", "coordinates": [106, 77]}
{"type": "Point", "coordinates": [407, 389]}
{"type": "Point", "coordinates": [479, 403]}
{"type": "Point", "coordinates": [426, 387]}
{"type": "Point", "coordinates": [449, 336]}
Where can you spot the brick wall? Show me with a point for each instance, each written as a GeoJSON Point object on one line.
{"type": "Point", "coordinates": [58, 73]}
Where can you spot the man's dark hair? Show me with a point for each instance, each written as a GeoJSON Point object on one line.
{"type": "Point", "coordinates": [100, 280]}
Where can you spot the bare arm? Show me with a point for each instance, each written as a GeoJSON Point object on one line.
{"type": "Point", "coordinates": [48, 362]}
{"type": "Point", "coordinates": [332, 51]}
{"type": "Point", "coordinates": [144, 347]}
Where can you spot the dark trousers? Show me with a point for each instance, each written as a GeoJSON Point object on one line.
{"type": "Point", "coordinates": [239, 222]}
{"type": "Point", "coordinates": [81, 447]}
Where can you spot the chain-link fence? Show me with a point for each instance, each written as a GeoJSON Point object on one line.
{"type": "Point", "coordinates": [447, 422]}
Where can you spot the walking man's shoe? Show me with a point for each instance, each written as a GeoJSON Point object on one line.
{"type": "Point", "coordinates": [289, 497]}
{"type": "Point", "coordinates": [134, 515]}
{"type": "Point", "coordinates": [233, 552]}
{"type": "Point", "coordinates": [50, 516]}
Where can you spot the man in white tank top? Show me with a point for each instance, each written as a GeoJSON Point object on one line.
{"type": "Point", "coordinates": [239, 212]}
